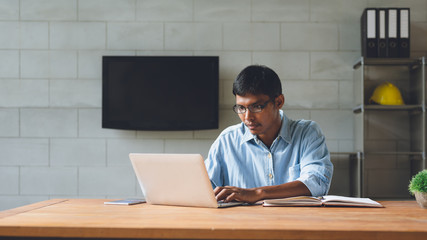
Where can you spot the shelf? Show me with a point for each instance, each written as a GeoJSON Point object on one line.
{"type": "Point", "coordinates": [412, 62]}
{"type": "Point", "coordinates": [395, 153]}
{"type": "Point", "coordinates": [361, 108]}
{"type": "Point", "coordinates": [344, 153]}
{"type": "Point", "coordinates": [389, 132]}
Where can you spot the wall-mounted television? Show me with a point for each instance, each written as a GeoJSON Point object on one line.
{"type": "Point", "coordinates": [160, 92]}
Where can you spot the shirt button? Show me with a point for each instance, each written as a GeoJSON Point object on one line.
{"type": "Point", "coordinates": [269, 155]}
{"type": "Point", "coordinates": [270, 176]}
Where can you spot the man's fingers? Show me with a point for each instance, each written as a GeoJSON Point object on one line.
{"type": "Point", "coordinates": [217, 190]}
{"type": "Point", "coordinates": [222, 194]}
{"type": "Point", "coordinates": [233, 196]}
{"type": "Point", "coordinates": [229, 193]}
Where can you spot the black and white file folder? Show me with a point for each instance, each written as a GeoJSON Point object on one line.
{"type": "Point", "coordinates": [382, 33]}
{"type": "Point", "coordinates": [393, 49]}
{"type": "Point", "coordinates": [404, 44]}
{"type": "Point", "coordinates": [369, 33]}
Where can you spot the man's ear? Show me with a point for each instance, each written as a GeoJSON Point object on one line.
{"type": "Point", "coordinates": [280, 101]}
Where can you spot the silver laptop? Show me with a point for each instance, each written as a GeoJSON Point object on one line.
{"type": "Point", "coordinates": [175, 179]}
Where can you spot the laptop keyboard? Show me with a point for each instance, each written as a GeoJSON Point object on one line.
{"type": "Point", "coordinates": [222, 204]}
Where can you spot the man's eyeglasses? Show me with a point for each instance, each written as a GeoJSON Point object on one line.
{"type": "Point", "coordinates": [256, 108]}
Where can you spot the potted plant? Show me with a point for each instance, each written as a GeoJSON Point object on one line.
{"type": "Point", "coordinates": [418, 187]}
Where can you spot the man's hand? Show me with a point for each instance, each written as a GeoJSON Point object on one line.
{"type": "Point", "coordinates": [228, 194]}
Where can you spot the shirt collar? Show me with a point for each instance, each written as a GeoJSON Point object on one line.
{"type": "Point", "coordinates": [284, 132]}
{"type": "Point", "coordinates": [247, 136]}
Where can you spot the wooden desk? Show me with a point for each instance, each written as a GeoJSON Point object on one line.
{"type": "Point", "coordinates": [90, 218]}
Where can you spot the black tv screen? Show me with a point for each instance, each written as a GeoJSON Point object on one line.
{"type": "Point", "coordinates": [160, 92]}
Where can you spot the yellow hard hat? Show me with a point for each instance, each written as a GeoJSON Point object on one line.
{"type": "Point", "coordinates": [387, 94]}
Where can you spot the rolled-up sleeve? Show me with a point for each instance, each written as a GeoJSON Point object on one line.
{"type": "Point", "coordinates": [316, 166]}
{"type": "Point", "coordinates": [213, 166]}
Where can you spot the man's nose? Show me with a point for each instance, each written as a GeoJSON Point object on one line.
{"type": "Point", "coordinates": [248, 114]}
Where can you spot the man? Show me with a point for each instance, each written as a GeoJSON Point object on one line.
{"type": "Point", "coordinates": [267, 155]}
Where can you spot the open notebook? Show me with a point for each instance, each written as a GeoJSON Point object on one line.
{"type": "Point", "coordinates": [328, 200]}
{"type": "Point", "coordinates": [175, 179]}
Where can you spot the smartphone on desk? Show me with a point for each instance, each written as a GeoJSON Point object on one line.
{"type": "Point", "coordinates": [127, 201]}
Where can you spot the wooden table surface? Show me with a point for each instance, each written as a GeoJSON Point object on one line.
{"type": "Point", "coordinates": [90, 218]}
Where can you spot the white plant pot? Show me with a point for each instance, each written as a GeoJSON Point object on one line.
{"type": "Point", "coordinates": [421, 198]}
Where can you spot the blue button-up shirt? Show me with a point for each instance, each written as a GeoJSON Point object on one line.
{"type": "Point", "coordinates": [238, 158]}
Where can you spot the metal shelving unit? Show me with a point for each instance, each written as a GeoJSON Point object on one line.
{"type": "Point", "coordinates": [391, 140]}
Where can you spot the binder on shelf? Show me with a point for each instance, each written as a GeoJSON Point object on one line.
{"type": "Point", "coordinates": [382, 33]}
{"type": "Point", "coordinates": [393, 29]}
{"type": "Point", "coordinates": [369, 33]}
{"type": "Point", "coordinates": [404, 30]}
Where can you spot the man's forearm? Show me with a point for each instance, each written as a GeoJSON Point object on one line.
{"type": "Point", "coordinates": [252, 195]}
{"type": "Point", "coordinates": [290, 189]}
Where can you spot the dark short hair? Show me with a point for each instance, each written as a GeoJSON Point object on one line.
{"type": "Point", "coordinates": [256, 80]}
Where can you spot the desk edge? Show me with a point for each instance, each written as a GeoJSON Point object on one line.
{"type": "Point", "coordinates": [27, 208]}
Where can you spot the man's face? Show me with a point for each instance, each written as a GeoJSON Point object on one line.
{"type": "Point", "coordinates": [266, 122]}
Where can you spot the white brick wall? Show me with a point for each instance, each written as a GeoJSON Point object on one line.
{"type": "Point", "coordinates": [77, 35]}
{"type": "Point", "coordinates": [24, 151]}
{"type": "Point", "coordinates": [51, 140]}
{"type": "Point", "coordinates": [24, 93]}
{"type": "Point", "coordinates": [106, 10]}
{"type": "Point", "coordinates": [9, 9]}
{"type": "Point", "coordinates": [75, 93]}
{"type": "Point", "coordinates": [77, 152]}
{"type": "Point", "coordinates": [222, 10]}
{"type": "Point", "coordinates": [278, 11]}
{"type": "Point", "coordinates": [9, 180]}
{"type": "Point", "coordinates": [35, 64]}
{"type": "Point", "coordinates": [118, 149]}
{"type": "Point", "coordinates": [48, 122]}
{"type": "Point", "coordinates": [9, 63]}
{"type": "Point", "coordinates": [164, 10]}
{"type": "Point", "coordinates": [48, 10]}
{"type": "Point", "coordinates": [9, 117]}
{"type": "Point", "coordinates": [317, 94]}
{"type": "Point", "coordinates": [48, 180]}
{"type": "Point", "coordinates": [90, 126]}
{"type": "Point", "coordinates": [251, 36]}
{"type": "Point", "coordinates": [288, 65]}
{"type": "Point", "coordinates": [135, 35]}
{"type": "Point", "coordinates": [309, 36]}
{"type": "Point", "coordinates": [106, 181]}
